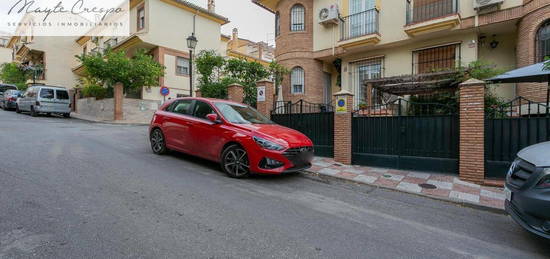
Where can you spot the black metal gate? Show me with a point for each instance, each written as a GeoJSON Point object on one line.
{"type": "Point", "coordinates": [314, 120]}
{"type": "Point", "coordinates": [406, 135]}
{"type": "Point", "coordinates": [511, 127]}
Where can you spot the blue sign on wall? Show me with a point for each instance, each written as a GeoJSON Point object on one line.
{"type": "Point", "coordinates": [164, 91]}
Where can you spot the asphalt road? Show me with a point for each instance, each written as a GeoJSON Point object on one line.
{"type": "Point", "coordinates": [73, 189]}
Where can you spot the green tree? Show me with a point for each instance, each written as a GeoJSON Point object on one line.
{"type": "Point", "coordinates": [12, 73]}
{"type": "Point", "coordinates": [247, 74]}
{"type": "Point", "coordinates": [115, 67]}
{"type": "Point", "coordinates": [278, 72]}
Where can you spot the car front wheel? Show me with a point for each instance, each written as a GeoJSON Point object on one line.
{"type": "Point", "coordinates": [17, 109]}
{"type": "Point", "coordinates": [235, 162]}
{"type": "Point", "coordinates": [33, 112]}
{"type": "Point", "coordinates": [158, 142]}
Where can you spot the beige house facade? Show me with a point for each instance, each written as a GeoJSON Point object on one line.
{"type": "Point", "coordinates": [322, 41]}
{"type": "Point", "coordinates": [152, 24]}
{"type": "Point", "coordinates": [260, 52]}
{"type": "Point", "coordinates": [5, 52]}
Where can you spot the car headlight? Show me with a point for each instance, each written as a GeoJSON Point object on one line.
{"type": "Point", "coordinates": [545, 182]}
{"type": "Point", "coordinates": [269, 145]}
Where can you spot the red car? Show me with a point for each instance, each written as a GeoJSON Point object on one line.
{"type": "Point", "coordinates": [237, 136]}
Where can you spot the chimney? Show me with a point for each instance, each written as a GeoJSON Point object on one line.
{"type": "Point", "coordinates": [211, 6]}
{"type": "Point", "coordinates": [235, 39]}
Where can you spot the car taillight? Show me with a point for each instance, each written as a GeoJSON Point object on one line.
{"type": "Point", "coordinates": [37, 103]}
{"type": "Point", "coordinates": [12, 99]}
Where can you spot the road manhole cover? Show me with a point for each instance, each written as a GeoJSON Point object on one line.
{"type": "Point", "coordinates": [427, 186]}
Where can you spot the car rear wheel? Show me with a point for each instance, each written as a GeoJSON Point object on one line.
{"type": "Point", "coordinates": [66, 115]}
{"type": "Point", "coordinates": [33, 112]}
{"type": "Point", "coordinates": [235, 162]}
{"type": "Point", "coordinates": [158, 142]}
{"type": "Point", "coordinates": [17, 109]}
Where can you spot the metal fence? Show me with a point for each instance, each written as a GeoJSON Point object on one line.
{"type": "Point", "coordinates": [359, 24]}
{"type": "Point", "coordinates": [424, 10]}
{"type": "Point", "coordinates": [300, 107]}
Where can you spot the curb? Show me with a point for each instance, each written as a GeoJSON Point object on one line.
{"type": "Point", "coordinates": [88, 119]}
{"type": "Point", "coordinates": [326, 179]}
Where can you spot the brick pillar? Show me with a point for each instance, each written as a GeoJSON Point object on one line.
{"type": "Point", "coordinates": [472, 131]}
{"type": "Point", "coordinates": [198, 93]}
{"type": "Point", "coordinates": [342, 127]}
{"type": "Point", "coordinates": [266, 106]}
{"type": "Point", "coordinates": [235, 92]}
{"type": "Point", "coordinates": [119, 97]}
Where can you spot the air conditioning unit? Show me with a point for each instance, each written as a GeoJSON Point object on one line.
{"type": "Point", "coordinates": [329, 15]}
{"type": "Point", "coordinates": [479, 4]}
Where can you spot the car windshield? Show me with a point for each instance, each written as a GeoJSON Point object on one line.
{"type": "Point", "coordinates": [241, 114]}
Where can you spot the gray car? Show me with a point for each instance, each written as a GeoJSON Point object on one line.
{"type": "Point", "coordinates": [9, 99]}
{"type": "Point", "coordinates": [46, 100]}
{"type": "Point", "coordinates": [528, 189]}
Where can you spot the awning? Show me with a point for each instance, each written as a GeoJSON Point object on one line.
{"type": "Point", "coordinates": [529, 74]}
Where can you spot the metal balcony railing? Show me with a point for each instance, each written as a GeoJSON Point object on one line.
{"type": "Point", "coordinates": [424, 10]}
{"type": "Point", "coordinates": [359, 24]}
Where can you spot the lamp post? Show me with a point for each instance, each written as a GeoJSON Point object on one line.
{"type": "Point", "coordinates": [191, 44]}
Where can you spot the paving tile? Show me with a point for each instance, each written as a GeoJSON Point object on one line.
{"type": "Point", "coordinates": [354, 170]}
{"type": "Point", "coordinates": [442, 178]}
{"type": "Point", "coordinates": [386, 182]}
{"type": "Point", "coordinates": [397, 172]}
{"type": "Point", "coordinates": [321, 164]}
{"type": "Point", "coordinates": [466, 189]}
{"type": "Point", "coordinates": [419, 175]}
{"type": "Point", "coordinates": [458, 181]}
{"type": "Point", "coordinates": [493, 195]}
{"type": "Point", "coordinates": [329, 171]}
{"type": "Point", "coordinates": [393, 177]}
{"type": "Point", "coordinates": [437, 192]}
{"type": "Point", "coordinates": [409, 187]}
{"type": "Point", "coordinates": [367, 173]}
{"type": "Point", "coordinates": [378, 170]}
{"type": "Point", "coordinates": [441, 184]}
{"type": "Point", "coordinates": [346, 175]}
{"type": "Point", "coordinates": [464, 196]}
{"type": "Point", "coordinates": [414, 180]}
{"type": "Point", "coordinates": [366, 179]}
{"type": "Point", "coordinates": [495, 203]}
{"type": "Point", "coordinates": [315, 168]}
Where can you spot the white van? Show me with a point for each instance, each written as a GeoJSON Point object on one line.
{"type": "Point", "coordinates": [45, 99]}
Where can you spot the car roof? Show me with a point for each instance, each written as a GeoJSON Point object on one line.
{"type": "Point", "coordinates": [209, 100]}
{"type": "Point", "coordinates": [50, 86]}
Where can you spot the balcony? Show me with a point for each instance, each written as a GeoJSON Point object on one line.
{"type": "Point", "coordinates": [359, 29]}
{"type": "Point", "coordinates": [425, 16]}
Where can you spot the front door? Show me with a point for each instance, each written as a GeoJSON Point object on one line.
{"type": "Point", "coordinates": [328, 89]}
{"type": "Point", "coordinates": [206, 135]}
{"type": "Point", "coordinates": [176, 125]}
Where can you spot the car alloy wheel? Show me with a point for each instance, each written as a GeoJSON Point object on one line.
{"type": "Point", "coordinates": [158, 143]}
{"type": "Point", "coordinates": [235, 162]}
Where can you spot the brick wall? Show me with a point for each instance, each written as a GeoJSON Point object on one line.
{"type": "Point", "coordinates": [235, 93]}
{"type": "Point", "coordinates": [536, 12]}
{"type": "Point", "coordinates": [266, 106]}
{"type": "Point", "coordinates": [472, 131]}
{"type": "Point", "coordinates": [296, 49]}
{"type": "Point", "coordinates": [342, 130]}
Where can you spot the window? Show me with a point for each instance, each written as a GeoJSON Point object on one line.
{"type": "Point", "coordinates": [241, 114]}
{"type": "Point", "coordinates": [141, 18]}
{"type": "Point", "coordinates": [202, 109]}
{"type": "Point", "coordinates": [46, 93]}
{"type": "Point", "coordinates": [111, 43]}
{"type": "Point", "coordinates": [365, 70]}
{"type": "Point", "coordinates": [180, 107]}
{"type": "Point", "coordinates": [543, 41]}
{"type": "Point", "coordinates": [297, 79]}
{"type": "Point", "coordinates": [277, 24]}
{"type": "Point", "coordinates": [297, 18]}
{"type": "Point", "coordinates": [62, 95]}
{"type": "Point", "coordinates": [182, 66]}
{"type": "Point", "coordinates": [436, 59]}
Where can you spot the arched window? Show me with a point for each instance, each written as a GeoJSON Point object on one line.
{"type": "Point", "coordinates": [277, 24]}
{"type": "Point", "coordinates": [297, 79]}
{"type": "Point", "coordinates": [297, 18]}
{"type": "Point", "coordinates": [543, 41]}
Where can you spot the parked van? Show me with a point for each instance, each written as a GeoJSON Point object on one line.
{"type": "Point", "coordinates": [46, 100]}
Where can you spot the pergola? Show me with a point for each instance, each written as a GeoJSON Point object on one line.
{"type": "Point", "coordinates": [416, 84]}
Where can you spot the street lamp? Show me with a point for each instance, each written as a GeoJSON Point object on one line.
{"type": "Point", "coordinates": [191, 44]}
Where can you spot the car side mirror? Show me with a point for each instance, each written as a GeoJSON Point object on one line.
{"type": "Point", "coordinates": [213, 118]}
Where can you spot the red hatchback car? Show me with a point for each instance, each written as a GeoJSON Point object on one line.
{"type": "Point", "coordinates": [237, 136]}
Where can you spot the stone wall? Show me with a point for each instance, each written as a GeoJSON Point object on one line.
{"type": "Point", "coordinates": [135, 110]}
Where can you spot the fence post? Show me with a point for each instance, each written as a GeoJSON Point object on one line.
{"type": "Point", "coordinates": [119, 98]}
{"type": "Point", "coordinates": [472, 131]}
{"type": "Point", "coordinates": [342, 127]}
{"type": "Point", "coordinates": [235, 93]}
{"type": "Point", "coordinates": [266, 97]}
{"type": "Point", "coordinates": [198, 93]}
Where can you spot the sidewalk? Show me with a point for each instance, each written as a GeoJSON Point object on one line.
{"type": "Point", "coordinates": [439, 186]}
{"type": "Point", "coordinates": [94, 119]}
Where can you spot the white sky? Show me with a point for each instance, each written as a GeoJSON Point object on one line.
{"type": "Point", "coordinates": [254, 23]}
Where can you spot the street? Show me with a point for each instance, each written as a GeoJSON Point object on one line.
{"type": "Point", "coordinates": [74, 189]}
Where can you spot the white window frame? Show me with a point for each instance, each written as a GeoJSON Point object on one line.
{"type": "Point", "coordinates": [297, 18]}
{"type": "Point", "coordinates": [185, 66]}
{"type": "Point", "coordinates": [297, 78]}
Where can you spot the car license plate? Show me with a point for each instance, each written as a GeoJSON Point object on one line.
{"type": "Point", "coordinates": [508, 194]}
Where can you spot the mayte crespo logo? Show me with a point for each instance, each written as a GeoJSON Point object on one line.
{"type": "Point", "coordinates": [74, 7]}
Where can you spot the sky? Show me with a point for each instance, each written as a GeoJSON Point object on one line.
{"type": "Point", "coordinates": [254, 23]}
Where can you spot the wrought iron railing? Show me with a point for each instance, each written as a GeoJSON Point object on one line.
{"type": "Point", "coordinates": [437, 59]}
{"type": "Point", "coordinates": [424, 10]}
{"type": "Point", "coordinates": [301, 106]}
{"type": "Point", "coordinates": [519, 107]}
{"type": "Point", "coordinates": [402, 107]}
{"type": "Point", "coordinates": [360, 24]}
